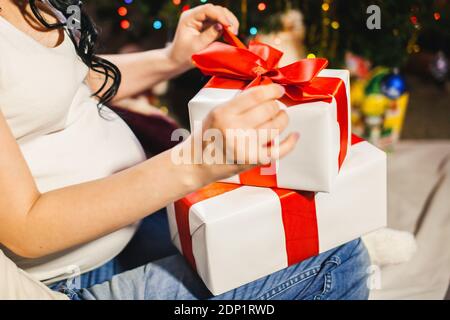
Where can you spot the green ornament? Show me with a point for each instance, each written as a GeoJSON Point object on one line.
{"type": "Point", "coordinates": [375, 83]}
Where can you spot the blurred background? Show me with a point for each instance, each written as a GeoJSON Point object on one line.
{"type": "Point", "coordinates": [400, 72]}
{"type": "Point", "coordinates": [399, 92]}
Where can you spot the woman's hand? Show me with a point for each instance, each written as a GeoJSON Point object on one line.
{"type": "Point", "coordinates": [198, 28]}
{"type": "Point", "coordinates": [228, 130]}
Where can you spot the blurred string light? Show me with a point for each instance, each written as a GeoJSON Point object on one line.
{"type": "Point", "coordinates": [157, 24]}
{"type": "Point", "coordinates": [122, 11]}
{"type": "Point", "coordinates": [328, 38]}
{"type": "Point", "coordinates": [262, 6]}
{"type": "Point", "coordinates": [327, 15]}
{"type": "Point", "coordinates": [125, 24]}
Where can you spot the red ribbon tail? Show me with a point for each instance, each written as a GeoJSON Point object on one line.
{"type": "Point", "coordinates": [356, 139]}
{"type": "Point", "coordinates": [229, 37]}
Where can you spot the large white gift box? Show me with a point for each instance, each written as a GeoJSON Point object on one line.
{"type": "Point", "coordinates": [233, 234]}
{"type": "Point", "coordinates": [324, 128]}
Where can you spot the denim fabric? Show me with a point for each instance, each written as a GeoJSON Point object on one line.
{"type": "Point", "coordinates": [337, 274]}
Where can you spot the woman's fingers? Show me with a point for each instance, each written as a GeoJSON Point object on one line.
{"type": "Point", "coordinates": [234, 20]}
{"type": "Point", "coordinates": [211, 34]}
{"type": "Point", "coordinates": [280, 121]}
{"type": "Point", "coordinates": [257, 116]}
{"type": "Point", "coordinates": [213, 13]}
{"type": "Point", "coordinates": [279, 150]}
{"type": "Point", "coordinates": [271, 129]}
{"type": "Point", "coordinates": [254, 97]}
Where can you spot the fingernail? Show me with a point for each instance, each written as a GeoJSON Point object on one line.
{"type": "Point", "coordinates": [282, 90]}
{"type": "Point", "coordinates": [296, 135]}
{"type": "Point", "coordinates": [230, 28]}
{"type": "Point", "coordinates": [218, 27]}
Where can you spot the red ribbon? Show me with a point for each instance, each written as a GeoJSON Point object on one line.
{"type": "Point", "coordinates": [234, 66]}
{"type": "Point", "coordinates": [298, 210]}
{"type": "Point", "coordinates": [356, 139]}
{"type": "Point", "coordinates": [182, 207]}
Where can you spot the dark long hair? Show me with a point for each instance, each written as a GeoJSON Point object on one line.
{"type": "Point", "coordinates": [84, 39]}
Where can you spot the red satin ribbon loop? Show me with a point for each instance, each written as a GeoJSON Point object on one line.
{"type": "Point", "coordinates": [258, 64]}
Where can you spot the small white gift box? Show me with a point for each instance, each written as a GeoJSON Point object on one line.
{"type": "Point", "coordinates": [324, 127]}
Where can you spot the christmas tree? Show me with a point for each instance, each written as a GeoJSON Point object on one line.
{"type": "Point", "coordinates": [374, 39]}
{"type": "Point", "coordinates": [333, 27]}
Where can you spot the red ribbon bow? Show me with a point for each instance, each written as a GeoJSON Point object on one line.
{"type": "Point", "coordinates": [258, 64]}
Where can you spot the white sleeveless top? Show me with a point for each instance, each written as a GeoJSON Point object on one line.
{"type": "Point", "coordinates": [49, 108]}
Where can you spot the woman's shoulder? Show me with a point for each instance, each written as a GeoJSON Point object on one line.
{"type": "Point", "coordinates": [8, 38]}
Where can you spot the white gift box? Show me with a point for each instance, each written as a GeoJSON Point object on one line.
{"type": "Point", "coordinates": [239, 235]}
{"type": "Point", "coordinates": [313, 165]}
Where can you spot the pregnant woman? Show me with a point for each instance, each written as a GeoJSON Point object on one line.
{"type": "Point", "coordinates": [74, 181]}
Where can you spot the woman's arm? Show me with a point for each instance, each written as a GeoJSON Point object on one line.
{"type": "Point", "coordinates": [140, 71]}
{"type": "Point", "coordinates": [197, 29]}
{"type": "Point", "coordinates": [34, 224]}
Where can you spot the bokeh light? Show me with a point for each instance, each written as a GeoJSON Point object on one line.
{"type": "Point", "coordinates": [125, 24]}
{"type": "Point", "coordinates": [157, 24]}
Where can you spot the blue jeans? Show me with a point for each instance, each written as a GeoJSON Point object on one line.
{"type": "Point", "coordinates": [337, 274]}
{"type": "Point", "coordinates": [150, 243]}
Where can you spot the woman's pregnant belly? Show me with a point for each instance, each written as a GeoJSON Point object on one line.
{"type": "Point", "coordinates": [89, 148]}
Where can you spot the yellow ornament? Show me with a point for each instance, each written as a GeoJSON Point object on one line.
{"type": "Point", "coordinates": [357, 93]}
{"type": "Point", "coordinates": [395, 116]}
{"type": "Point", "coordinates": [356, 117]}
{"type": "Point", "coordinates": [375, 105]}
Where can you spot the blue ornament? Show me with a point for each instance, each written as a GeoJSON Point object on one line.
{"type": "Point", "coordinates": [393, 86]}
